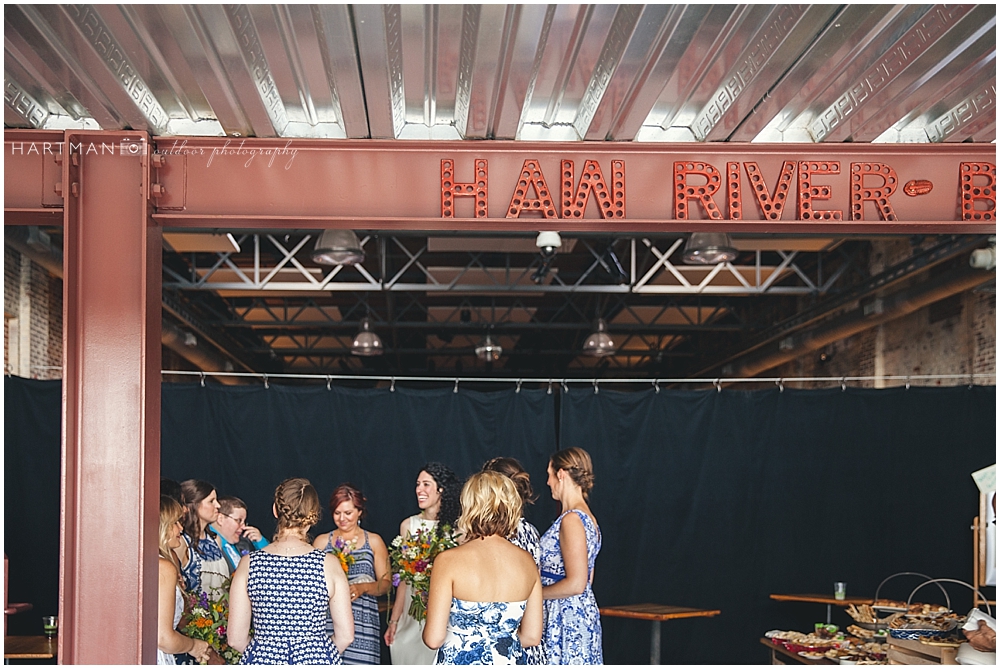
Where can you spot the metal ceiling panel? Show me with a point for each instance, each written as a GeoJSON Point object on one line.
{"type": "Point", "coordinates": [562, 72]}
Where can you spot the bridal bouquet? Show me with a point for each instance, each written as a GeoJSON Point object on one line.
{"type": "Point", "coordinates": [412, 558]}
{"type": "Point", "coordinates": [207, 619]}
{"type": "Point", "coordinates": [342, 549]}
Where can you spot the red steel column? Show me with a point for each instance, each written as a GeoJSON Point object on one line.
{"type": "Point", "coordinates": [111, 402]}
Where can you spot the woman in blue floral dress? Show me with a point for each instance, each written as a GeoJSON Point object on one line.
{"type": "Point", "coordinates": [485, 600]}
{"type": "Point", "coordinates": [569, 548]}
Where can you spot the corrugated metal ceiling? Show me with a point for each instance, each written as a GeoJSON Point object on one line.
{"type": "Point", "coordinates": [654, 73]}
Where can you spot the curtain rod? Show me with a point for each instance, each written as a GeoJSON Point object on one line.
{"type": "Point", "coordinates": [717, 381]}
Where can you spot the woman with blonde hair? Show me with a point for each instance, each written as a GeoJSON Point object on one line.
{"type": "Point", "coordinates": [288, 587]}
{"type": "Point", "coordinates": [170, 603]}
{"type": "Point", "coordinates": [569, 550]}
{"type": "Point", "coordinates": [485, 602]}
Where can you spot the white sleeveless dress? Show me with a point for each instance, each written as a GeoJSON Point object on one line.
{"type": "Point", "coordinates": [167, 658]}
{"type": "Point", "coordinates": [408, 647]}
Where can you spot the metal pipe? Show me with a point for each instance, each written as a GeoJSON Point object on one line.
{"type": "Point", "coordinates": [863, 318]}
{"type": "Point", "coordinates": [172, 337]}
{"type": "Point", "coordinates": [554, 380]}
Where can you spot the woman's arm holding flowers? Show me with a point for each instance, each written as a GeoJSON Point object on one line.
{"type": "Point", "coordinates": [340, 602]}
{"type": "Point", "coordinates": [238, 630]}
{"type": "Point", "coordinates": [168, 639]}
{"type": "Point", "coordinates": [402, 591]}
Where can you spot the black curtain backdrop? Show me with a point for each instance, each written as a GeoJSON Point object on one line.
{"type": "Point", "coordinates": [705, 499]}
{"type": "Point", "coordinates": [717, 500]}
{"type": "Point", "coordinates": [32, 430]}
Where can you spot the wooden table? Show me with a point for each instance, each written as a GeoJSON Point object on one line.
{"type": "Point", "coordinates": [656, 613]}
{"type": "Point", "coordinates": [824, 599]}
{"type": "Point", "coordinates": [29, 648]}
{"type": "Point", "coordinates": [781, 655]}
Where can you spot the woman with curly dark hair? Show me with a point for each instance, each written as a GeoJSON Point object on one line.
{"type": "Point", "coordinates": [438, 497]}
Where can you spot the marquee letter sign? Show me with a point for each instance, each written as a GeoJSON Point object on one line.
{"type": "Point", "coordinates": [827, 188]}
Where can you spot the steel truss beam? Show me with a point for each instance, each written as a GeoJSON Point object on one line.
{"type": "Point", "coordinates": [667, 276]}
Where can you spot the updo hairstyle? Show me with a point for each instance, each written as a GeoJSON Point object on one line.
{"type": "Point", "coordinates": [578, 465]}
{"type": "Point", "coordinates": [513, 470]}
{"type": "Point", "coordinates": [491, 505]}
{"type": "Point", "coordinates": [297, 505]}
{"type": "Point", "coordinates": [347, 492]}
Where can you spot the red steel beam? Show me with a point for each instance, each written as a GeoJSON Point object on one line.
{"type": "Point", "coordinates": [32, 177]}
{"type": "Point", "coordinates": [219, 183]}
{"type": "Point", "coordinates": [111, 406]}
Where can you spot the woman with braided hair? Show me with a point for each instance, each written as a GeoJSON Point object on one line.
{"type": "Point", "coordinates": [438, 497]}
{"type": "Point", "coordinates": [569, 548]}
{"type": "Point", "coordinates": [288, 587]}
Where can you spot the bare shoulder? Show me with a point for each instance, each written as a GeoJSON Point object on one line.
{"type": "Point", "coordinates": [320, 541]}
{"type": "Point", "coordinates": [375, 540]}
{"type": "Point", "coordinates": [167, 568]}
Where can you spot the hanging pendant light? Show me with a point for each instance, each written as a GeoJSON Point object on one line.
{"type": "Point", "coordinates": [599, 343]}
{"type": "Point", "coordinates": [489, 351]}
{"type": "Point", "coordinates": [338, 247]}
{"type": "Point", "coordinates": [366, 343]}
{"type": "Point", "coordinates": [708, 248]}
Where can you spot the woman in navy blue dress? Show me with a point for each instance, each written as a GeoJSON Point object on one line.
{"type": "Point", "coordinates": [288, 587]}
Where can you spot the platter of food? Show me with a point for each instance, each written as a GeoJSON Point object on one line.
{"type": "Point", "coordinates": [889, 605]}
{"type": "Point", "coordinates": [915, 626]}
{"type": "Point", "coordinates": [812, 656]}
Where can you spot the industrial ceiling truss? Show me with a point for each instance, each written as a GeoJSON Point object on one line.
{"type": "Point", "coordinates": [623, 265]}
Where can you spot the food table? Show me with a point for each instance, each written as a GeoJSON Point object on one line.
{"type": "Point", "coordinates": [29, 648]}
{"type": "Point", "coordinates": [781, 655]}
{"type": "Point", "coordinates": [823, 599]}
{"type": "Point", "coordinates": [656, 613]}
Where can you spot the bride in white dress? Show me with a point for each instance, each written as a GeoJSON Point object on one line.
{"type": "Point", "coordinates": [437, 497]}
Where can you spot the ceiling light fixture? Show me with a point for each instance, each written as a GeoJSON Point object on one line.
{"type": "Point", "coordinates": [489, 351]}
{"type": "Point", "coordinates": [708, 248]}
{"type": "Point", "coordinates": [599, 343]}
{"type": "Point", "coordinates": [366, 343]}
{"type": "Point", "coordinates": [338, 247]}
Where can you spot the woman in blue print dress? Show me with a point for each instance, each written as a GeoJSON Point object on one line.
{"type": "Point", "coordinates": [288, 587]}
{"type": "Point", "coordinates": [569, 549]}
{"type": "Point", "coordinates": [368, 576]}
{"type": "Point", "coordinates": [485, 602]}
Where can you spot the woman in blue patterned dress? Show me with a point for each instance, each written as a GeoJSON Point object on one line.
{"type": "Point", "coordinates": [569, 549]}
{"type": "Point", "coordinates": [485, 602]}
{"type": "Point", "coordinates": [288, 587]}
{"type": "Point", "coordinates": [368, 576]}
{"type": "Point", "coordinates": [203, 565]}
{"type": "Point", "coordinates": [526, 536]}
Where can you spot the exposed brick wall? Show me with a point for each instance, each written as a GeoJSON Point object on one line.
{"type": "Point", "coordinates": [957, 337]}
{"type": "Point", "coordinates": [44, 339]}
